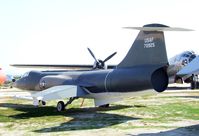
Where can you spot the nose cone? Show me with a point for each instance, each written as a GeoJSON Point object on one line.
{"type": "Point", "coordinates": [25, 83]}
{"type": "Point", "coordinates": [15, 84]}
{"type": "Point", "coordinates": [18, 84]}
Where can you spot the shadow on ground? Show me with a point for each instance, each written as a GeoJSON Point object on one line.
{"type": "Point", "coordinates": [178, 88]}
{"type": "Point", "coordinates": [88, 121]}
{"type": "Point", "coordinates": [81, 118]}
{"type": "Point", "coordinates": [193, 97]}
{"type": "Point", "coordinates": [29, 111]}
{"type": "Point", "coordinates": [182, 131]}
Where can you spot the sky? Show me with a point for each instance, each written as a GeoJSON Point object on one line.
{"type": "Point", "coordinates": [59, 31]}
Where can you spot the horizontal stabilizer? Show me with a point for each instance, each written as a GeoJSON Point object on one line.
{"type": "Point", "coordinates": [191, 68]}
{"type": "Point", "coordinates": [53, 66]}
{"type": "Point", "coordinates": [159, 28]}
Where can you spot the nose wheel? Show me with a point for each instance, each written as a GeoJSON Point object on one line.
{"type": "Point", "coordinates": [61, 106]}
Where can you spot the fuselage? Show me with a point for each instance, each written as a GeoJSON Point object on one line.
{"type": "Point", "coordinates": [98, 81]}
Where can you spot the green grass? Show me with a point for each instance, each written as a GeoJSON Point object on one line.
{"type": "Point", "coordinates": [148, 111]}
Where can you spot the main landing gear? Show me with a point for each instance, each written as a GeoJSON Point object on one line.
{"type": "Point", "coordinates": [195, 82]}
{"type": "Point", "coordinates": [42, 103]}
{"type": "Point", "coordinates": [61, 106]}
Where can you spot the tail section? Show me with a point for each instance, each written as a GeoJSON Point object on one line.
{"type": "Point", "coordinates": [148, 48]}
{"type": "Point", "coordinates": [147, 59]}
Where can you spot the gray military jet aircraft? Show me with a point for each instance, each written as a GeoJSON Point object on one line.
{"type": "Point", "coordinates": [143, 70]}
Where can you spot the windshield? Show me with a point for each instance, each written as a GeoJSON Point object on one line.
{"type": "Point", "coordinates": [26, 74]}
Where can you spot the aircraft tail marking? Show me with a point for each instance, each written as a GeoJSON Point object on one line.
{"type": "Point", "coordinates": [149, 46]}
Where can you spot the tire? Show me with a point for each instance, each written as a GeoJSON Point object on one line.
{"type": "Point", "coordinates": [197, 85]}
{"type": "Point", "coordinates": [192, 85]}
{"type": "Point", "coordinates": [60, 106]}
{"type": "Point", "coordinates": [42, 103]}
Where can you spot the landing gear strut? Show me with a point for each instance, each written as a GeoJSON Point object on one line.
{"type": "Point", "coordinates": [61, 106]}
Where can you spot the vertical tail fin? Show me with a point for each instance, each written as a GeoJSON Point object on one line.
{"type": "Point", "coordinates": [148, 48]}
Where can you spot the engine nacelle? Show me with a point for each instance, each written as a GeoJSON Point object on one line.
{"type": "Point", "coordinates": [133, 80]}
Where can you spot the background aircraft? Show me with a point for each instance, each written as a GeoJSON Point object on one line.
{"type": "Point", "coordinates": [2, 77]}
{"type": "Point", "coordinates": [6, 79]}
{"type": "Point", "coordinates": [98, 64]}
{"type": "Point", "coordinates": [183, 68]}
{"type": "Point", "coordinates": [143, 70]}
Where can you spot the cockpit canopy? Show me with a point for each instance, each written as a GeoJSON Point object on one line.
{"type": "Point", "coordinates": [183, 58]}
{"type": "Point", "coordinates": [189, 55]}
{"type": "Point", "coordinates": [26, 74]}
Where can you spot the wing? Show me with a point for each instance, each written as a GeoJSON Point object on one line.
{"type": "Point", "coordinates": [49, 66]}
{"type": "Point", "coordinates": [191, 68]}
{"type": "Point", "coordinates": [58, 92]}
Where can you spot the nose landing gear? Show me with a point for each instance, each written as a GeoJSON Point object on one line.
{"type": "Point", "coordinates": [61, 106]}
